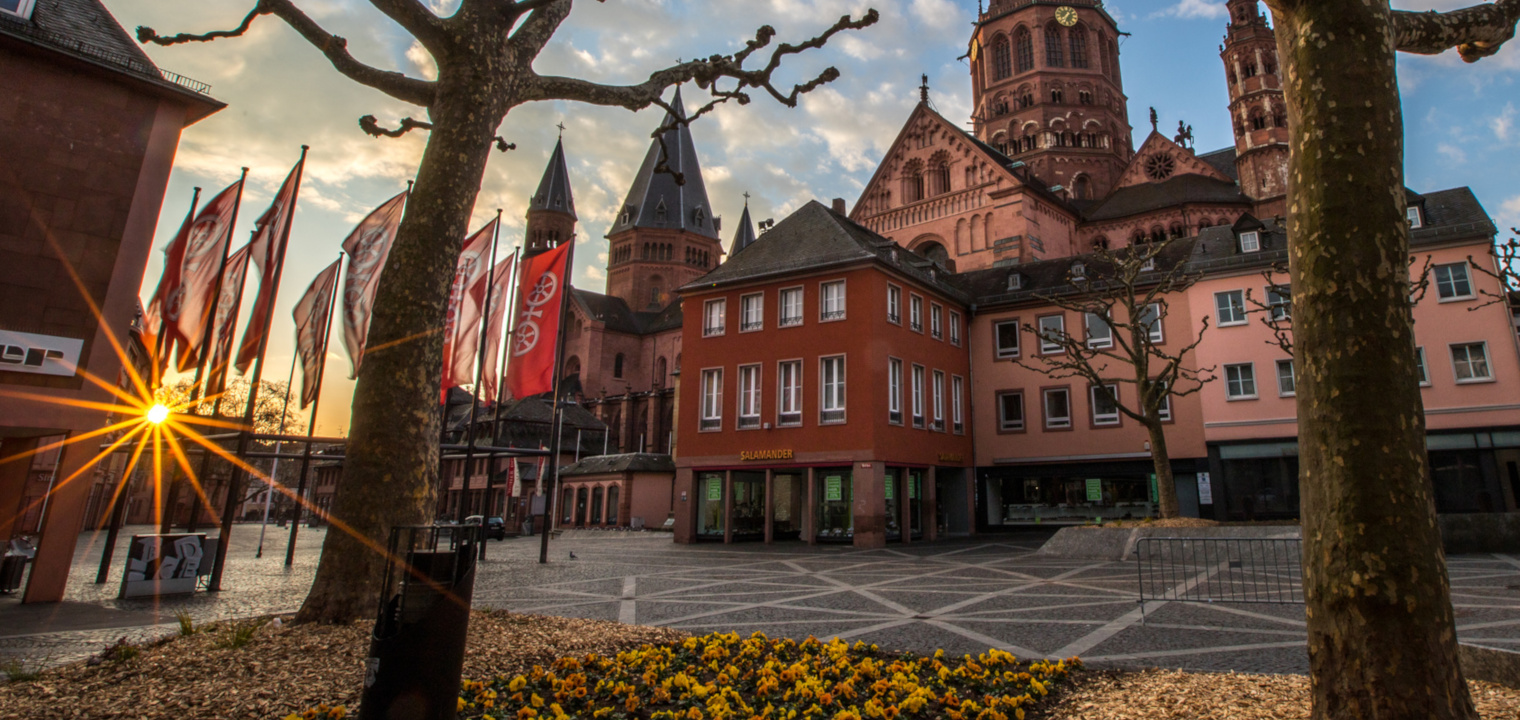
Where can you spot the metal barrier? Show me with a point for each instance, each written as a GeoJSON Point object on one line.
{"type": "Point", "coordinates": [1226, 570]}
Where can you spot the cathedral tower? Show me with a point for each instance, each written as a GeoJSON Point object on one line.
{"type": "Point", "coordinates": [1048, 91]}
{"type": "Point", "coordinates": [665, 235]}
{"type": "Point", "coordinates": [1257, 108]}
{"type": "Point", "coordinates": [551, 213]}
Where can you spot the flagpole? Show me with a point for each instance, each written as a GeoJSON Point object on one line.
{"type": "Point", "coordinates": [275, 467]}
{"type": "Point", "coordinates": [166, 520]}
{"type": "Point", "coordinates": [506, 350]}
{"type": "Point", "coordinates": [559, 358]}
{"type": "Point", "coordinates": [311, 425]}
{"type": "Point", "coordinates": [228, 511]}
{"type": "Point", "coordinates": [480, 372]}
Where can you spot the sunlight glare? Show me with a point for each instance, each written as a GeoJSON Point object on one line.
{"type": "Point", "coordinates": [158, 413]}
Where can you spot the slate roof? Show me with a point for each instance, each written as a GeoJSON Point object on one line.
{"type": "Point", "coordinates": [554, 189]}
{"type": "Point", "coordinates": [817, 237]}
{"type": "Point", "coordinates": [624, 462]}
{"type": "Point", "coordinates": [682, 204]}
{"type": "Point", "coordinates": [744, 235]}
{"type": "Point", "coordinates": [1048, 277]}
{"type": "Point", "coordinates": [617, 316]}
{"type": "Point", "coordinates": [1179, 190]}
{"type": "Point", "coordinates": [1223, 160]}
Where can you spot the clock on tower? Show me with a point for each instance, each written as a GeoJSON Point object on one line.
{"type": "Point", "coordinates": [1066, 15]}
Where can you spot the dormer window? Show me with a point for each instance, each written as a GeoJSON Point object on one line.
{"type": "Point", "coordinates": [1078, 271]}
{"type": "Point", "coordinates": [1015, 281]}
{"type": "Point", "coordinates": [627, 215]}
{"type": "Point", "coordinates": [1250, 242]}
{"type": "Point", "coordinates": [559, 200]}
{"type": "Point", "coordinates": [659, 212]}
{"type": "Point", "coordinates": [1416, 220]}
{"type": "Point", "coordinates": [19, 8]}
{"type": "Point", "coordinates": [701, 216]}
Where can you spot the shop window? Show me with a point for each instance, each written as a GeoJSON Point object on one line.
{"type": "Point", "coordinates": [1057, 402]}
{"type": "Point", "coordinates": [1261, 488]}
{"type": "Point", "coordinates": [712, 399]}
{"type": "Point", "coordinates": [918, 396]}
{"type": "Point", "coordinates": [1231, 306]}
{"type": "Point", "coordinates": [831, 385]}
{"type": "Point", "coordinates": [1240, 381]}
{"type": "Point", "coordinates": [749, 396]}
{"type": "Point", "coordinates": [1452, 282]}
{"type": "Point", "coordinates": [1470, 362]}
{"type": "Point", "coordinates": [1105, 406]}
{"type": "Point", "coordinates": [710, 504]}
{"type": "Point", "coordinates": [894, 391]}
{"type": "Point", "coordinates": [791, 307]}
{"type": "Point", "coordinates": [836, 518]}
{"type": "Point", "coordinates": [1007, 336]}
{"type": "Point", "coordinates": [1287, 382]}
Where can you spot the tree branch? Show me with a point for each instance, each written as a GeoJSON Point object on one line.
{"type": "Point", "coordinates": [372, 127]}
{"type": "Point", "coordinates": [397, 85]}
{"type": "Point", "coordinates": [1476, 32]}
{"type": "Point", "coordinates": [418, 20]}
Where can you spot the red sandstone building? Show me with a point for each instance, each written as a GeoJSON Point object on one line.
{"type": "Point", "coordinates": [90, 129]}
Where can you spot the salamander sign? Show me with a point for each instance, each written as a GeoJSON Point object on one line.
{"type": "Point", "coordinates": [749, 455]}
{"type": "Point", "coordinates": [39, 354]}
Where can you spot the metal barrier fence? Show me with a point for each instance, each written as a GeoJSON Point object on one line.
{"type": "Point", "coordinates": [1232, 570]}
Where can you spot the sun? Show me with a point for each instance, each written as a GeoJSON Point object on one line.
{"type": "Point", "coordinates": [158, 413]}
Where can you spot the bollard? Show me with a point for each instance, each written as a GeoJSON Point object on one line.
{"type": "Point", "coordinates": [416, 654]}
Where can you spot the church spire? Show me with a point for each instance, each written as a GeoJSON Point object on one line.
{"type": "Point", "coordinates": [656, 200]}
{"type": "Point", "coordinates": [744, 235]}
{"type": "Point", "coordinates": [554, 189]}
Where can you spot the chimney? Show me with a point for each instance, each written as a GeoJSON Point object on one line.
{"type": "Point", "coordinates": [839, 206]}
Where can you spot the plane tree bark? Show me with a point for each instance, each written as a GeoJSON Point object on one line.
{"type": "Point", "coordinates": [1137, 369]}
{"type": "Point", "coordinates": [484, 53]}
{"type": "Point", "coordinates": [1382, 641]}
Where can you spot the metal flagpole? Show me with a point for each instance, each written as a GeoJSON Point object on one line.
{"type": "Point", "coordinates": [275, 468]}
{"type": "Point", "coordinates": [559, 358]}
{"type": "Point", "coordinates": [311, 425]}
{"type": "Point", "coordinates": [166, 520]}
{"type": "Point", "coordinates": [228, 510]}
{"type": "Point", "coordinates": [501, 374]}
{"type": "Point", "coordinates": [480, 371]}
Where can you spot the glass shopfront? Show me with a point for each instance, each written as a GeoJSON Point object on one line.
{"type": "Point", "coordinates": [904, 485]}
{"type": "Point", "coordinates": [749, 505]}
{"type": "Point", "coordinates": [836, 522]}
{"type": "Point", "coordinates": [710, 505]}
{"type": "Point", "coordinates": [786, 511]}
{"type": "Point", "coordinates": [1064, 499]}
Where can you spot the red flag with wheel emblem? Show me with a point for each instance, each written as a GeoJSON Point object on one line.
{"type": "Point", "coordinates": [539, 300]}
{"type": "Point", "coordinates": [368, 247]}
{"type": "Point", "coordinates": [461, 326]}
{"type": "Point", "coordinates": [495, 322]}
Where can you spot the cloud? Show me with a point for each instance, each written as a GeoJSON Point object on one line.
{"type": "Point", "coordinates": [422, 61]}
{"type": "Point", "coordinates": [1452, 153]}
{"type": "Point", "coordinates": [1508, 217]}
{"type": "Point", "coordinates": [1194, 9]}
{"type": "Point", "coordinates": [1503, 123]}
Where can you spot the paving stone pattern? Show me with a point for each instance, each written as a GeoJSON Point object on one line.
{"type": "Point", "coordinates": [962, 596]}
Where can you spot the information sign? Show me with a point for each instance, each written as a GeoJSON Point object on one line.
{"type": "Point", "coordinates": [833, 488]}
{"type": "Point", "coordinates": [1094, 490]}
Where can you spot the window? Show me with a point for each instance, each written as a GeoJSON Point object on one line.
{"type": "Point", "coordinates": [894, 391]}
{"type": "Point", "coordinates": [1419, 359]}
{"type": "Point", "coordinates": [1054, 57]}
{"type": "Point", "coordinates": [831, 300]}
{"type": "Point", "coordinates": [1452, 282]}
{"type": "Point", "coordinates": [894, 304]}
{"type": "Point", "coordinates": [1099, 333]}
{"type": "Point", "coordinates": [915, 313]}
{"type": "Point", "coordinates": [955, 328]}
{"type": "Point", "coordinates": [1150, 316]}
{"type": "Point", "coordinates": [1240, 381]}
{"type": "Point", "coordinates": [1164, 410]}
{"type": "Point", "coordinates": [1231, 306]}
{"type": "Point", "coordinates": [1052, 332]}
{"type": "Point", "coordinates": [1470, 360]}
{"type": "Point", "coordinates": [713, 312]}
{"type": "Point", "coordinates": [749, 396]}
{"type": "Point", "coordinates": [1250, 242]}
{"type": "Point", "coordinates": [1023, 50]}
{"type": "Point", "coordinates": [831, 384]}
{"type": "Point", "coordinates": [617, 366]}
{"type": "Point", "coordinates": [1010, 411]}
{"type": "Point", "coordinates": [1015, 281]}
{"type": "Point", "coordinates": [936, 321]}
{"type": "Point", "coordinates": [1057, 408]}
{"type": "Point", "coordinates": [957, 388]}
{"type": "Point", "coordinates": [19, 8]}
{"type": "Point", "coordinates": [1001, 60]}
{"type": "Point", "coordinates": [939, 400]}
{"type": "Point", "coordinates": [918, 396]}
{"type": "Point", "coordinates": [789, 385]}
{"type": "Point", "coordinates": [1006, 334]}
{"type": "Point", "coordinates": [791, 307]}
{"type": "Point", "coordinates": [1415, 220]}
{"type": "Point", "coordinates": [751, 312]}
{"type": "Point", "coordinates": [1287, 382]}
{"type": "Point", "coordinates": [1105, 406]}
{"type": "Point", "coordinates": [712, 399]}
{"type": "Point", "coordinates": [1279, 302]}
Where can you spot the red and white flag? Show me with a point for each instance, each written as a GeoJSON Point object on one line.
{"type": "Point", "coordinates": [367, 246]}
{"type": "Point", "coordinates": [313, 316]}
{"type": "Point", "coordinates": [461, 326]}
{"type": "Point", "coordinates": [229, 302]}
{"type": "Point", "coordinates": [204, 249]}
{"type": "Point", "coordinates": [543, 284]}
{"type": "Point", "coordinates": [156, 323]}
{"type": "Point", "coordinates": [501, 282]}
{"type": "Point", "coordinates": [268, 253]}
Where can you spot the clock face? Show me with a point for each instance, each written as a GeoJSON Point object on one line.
{"type": "Point", "coordinates": [1066, 15]}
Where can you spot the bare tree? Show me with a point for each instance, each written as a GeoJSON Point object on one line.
{"type": "Point", "coordinates": [1382, 640]}
{"type": "Point", "coordinates": [485, 53]}
{"type": "Point", "coordinates": [1124, 297]}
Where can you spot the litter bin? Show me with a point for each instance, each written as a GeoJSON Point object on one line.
{"type": "Point", "coordinates": [18, 552]}
{"type": "Point", "coordinates": [416, 654]}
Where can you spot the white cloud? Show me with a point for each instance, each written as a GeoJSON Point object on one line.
{"type": "Point", "coordinates": [1509, 215]}
{"type": "Point", "coordinates": [1452, 153]}
{"type": "Point", "coordinates": [595, 272]}
{"type": "Point", "coordinates": [422, 61]}
{"type": "Point", "coordinates": [1502, 123]}
{"type": "Point", "coordinates": [1195, 9]}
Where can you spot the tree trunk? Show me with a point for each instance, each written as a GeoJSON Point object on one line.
{"type": "Point", "coordinates": [1166, 485]}
{"type": "Point", "coordinates": [1382, 642]}
{"type": "Point", "coordinates": [391, 467]}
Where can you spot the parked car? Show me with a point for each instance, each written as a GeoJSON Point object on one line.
{"type": "Point", "coordinates": [495, 527]}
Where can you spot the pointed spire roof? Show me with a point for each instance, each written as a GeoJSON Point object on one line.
{"type": "Point", "coordinates": [744, 236]}
{"type": "Point", "coordinates": [554, 190]}
{"type": "Point", "coordinates": [655, 200]}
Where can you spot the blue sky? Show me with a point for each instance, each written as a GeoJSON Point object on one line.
{"type": "Point", "coordinates": [1462, 121]}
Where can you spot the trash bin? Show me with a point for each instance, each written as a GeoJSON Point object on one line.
{"type": "Point", "coordinates": [416, 654]}
{"type": "Point", "coordinates": [18, 552]}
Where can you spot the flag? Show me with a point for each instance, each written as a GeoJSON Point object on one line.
{"type": "Point", "coordinates": [367, 246]}
{"type": "Point", "coordinates": [313, 316]}
{"type": "Point", "coordinates": [204, 249]}
{"type": "Point", "coordinates": [461, 326]}
{"type": "Point", "coordinates": [267, 251]}
{"type": "Point", "coordinates": [156, 322]}
{"type": "Point", "coordinates": [539, 294]}
{"type": "Point", "coordinates": [229, 301]}
{"type": "Point", "coordinates": [495, 320]}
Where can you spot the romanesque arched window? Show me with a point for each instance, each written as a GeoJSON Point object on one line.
{"type": "Point", "coordinates": [1158, 234]}
{"type": "Point", "coordinates": [1279, 117]}
{"type": "Point", "coordinates": [1054, 54]}
{"type": "Point", "coordinates": [1099, 243]}
{"type": "Point", "coordinates": [913, 181]}
{"type": "Point", "coordinates": [1203, 225]}
{"type": "Point", "coordinates": [1139, 238]}
{"type": "Point", "coordinates": [1177, 230]}
{"type": "Point", "coordinates": [939, 173]}
{"type": "Point", "coordinates": [1078, 39]}
{"type": "Point", "coordinates": [1081, 189]}
{"type": "Point", "coordinates": [1057, 96]}
{"type": "Point", "coordinates": [1002, 65]}
{"type": "Point", "coordinates": [1023, 50]}
{"type": "Point", "coordinates": [1258, 120]}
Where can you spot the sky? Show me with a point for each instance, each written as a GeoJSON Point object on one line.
{"type": "Point", "coordinates": [1462, 121]}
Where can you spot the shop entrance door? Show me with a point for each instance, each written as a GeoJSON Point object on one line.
{"type": "Point", "coordinates": [836, 522]}
{"type": "Point", "coordinates": [786, 506]}
{"type": "Point", "coordinates": [749, 505]}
